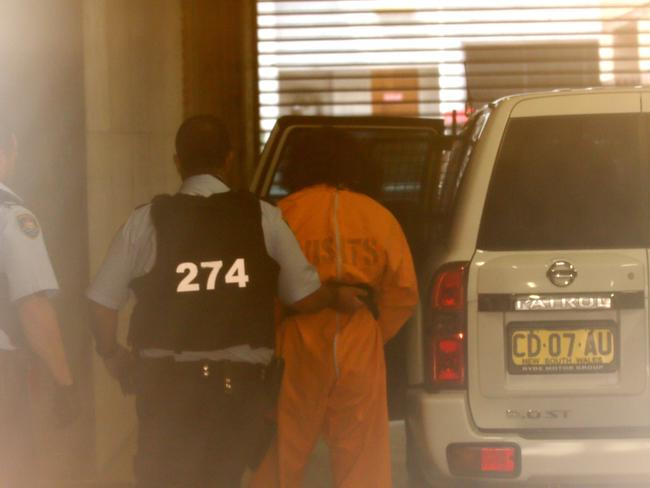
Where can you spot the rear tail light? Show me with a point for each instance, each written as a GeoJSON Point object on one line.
{"type": "Point", "coordinates": [447, 327]}
{"type": "Point", "coordinates": [486, 460]}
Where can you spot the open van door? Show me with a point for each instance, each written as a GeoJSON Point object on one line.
{"type": "Point", "coordinates": [408, 151]}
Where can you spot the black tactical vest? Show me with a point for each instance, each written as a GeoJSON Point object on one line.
{"type": "Point", "coordinates": [213, 283]}
{"type": "Point", "coordinates": [9, 322]}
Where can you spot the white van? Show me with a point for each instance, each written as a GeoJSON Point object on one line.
{"type": "Point", "coordinates": [530, 363]}
{"type": "Point", "coordinates": [528, 360]}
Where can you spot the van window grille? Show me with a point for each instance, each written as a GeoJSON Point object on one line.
{"type": "Point", "coordinates": [405, 161]}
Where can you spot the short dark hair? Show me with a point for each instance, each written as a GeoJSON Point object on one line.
{"type": "Point", "coordinates": [202, 144]}
{"type": "Point", "coordinates": [326, 155]}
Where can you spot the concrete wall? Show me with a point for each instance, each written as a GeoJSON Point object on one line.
{"type": "Point", "coordinates": [220, 73]}
{"type": "Point", "coordinates": [133, 87]}
{"type": "Point", "coordinates": [42, 98]}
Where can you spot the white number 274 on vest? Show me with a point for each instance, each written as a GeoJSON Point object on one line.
{"type": "Point", "coordinates": [235, 275]}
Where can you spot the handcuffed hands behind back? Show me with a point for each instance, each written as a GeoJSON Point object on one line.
{"type": "Point", "coordinates": [348, 299]}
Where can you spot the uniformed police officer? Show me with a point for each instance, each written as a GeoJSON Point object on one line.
{"type": "Point", "coordinates": [27, 323]}
{"type": "Point", "coordinates": [204, 266]}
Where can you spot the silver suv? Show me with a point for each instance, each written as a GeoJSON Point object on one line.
{"type": "Point", "coordinates": [530, 361]}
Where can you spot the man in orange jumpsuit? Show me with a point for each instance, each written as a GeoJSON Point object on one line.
{"type": "Point", "coordinates": [335, 377]}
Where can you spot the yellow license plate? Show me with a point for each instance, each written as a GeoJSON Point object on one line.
{"type": "Point", "coordinates": [558, 349]}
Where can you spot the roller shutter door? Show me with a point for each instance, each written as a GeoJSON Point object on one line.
{"type": "Point", "coordinates": [439, 58]}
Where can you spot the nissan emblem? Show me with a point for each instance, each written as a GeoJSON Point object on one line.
{"type": "Point", "coordinates": [561, 273]}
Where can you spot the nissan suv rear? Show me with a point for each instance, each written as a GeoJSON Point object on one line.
{"type": "Point", "coordinates": [530, 362]}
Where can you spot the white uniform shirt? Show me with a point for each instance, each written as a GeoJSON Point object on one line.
{"type": "Point", "coordinates": [23, 256]}
{"type": "Point", "coordinates": [133, 254]}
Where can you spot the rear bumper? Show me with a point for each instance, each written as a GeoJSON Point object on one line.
{"type": "Point", "coordinates": [435, 420]}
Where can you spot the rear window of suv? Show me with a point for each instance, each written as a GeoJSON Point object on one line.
{"type": "Point", "coordinates": [568, 182]}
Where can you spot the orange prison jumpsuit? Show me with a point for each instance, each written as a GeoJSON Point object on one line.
{"type": "Point", "coordinates": [335, 377]}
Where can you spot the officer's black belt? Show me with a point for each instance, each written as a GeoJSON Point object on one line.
{"type": "Point", "coordinates": [232, 370]}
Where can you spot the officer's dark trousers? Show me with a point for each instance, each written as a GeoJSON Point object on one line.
{"type": "Point", "coordinates": [194, 432]}
{"type": "Point", "coordinates": [17, 455]}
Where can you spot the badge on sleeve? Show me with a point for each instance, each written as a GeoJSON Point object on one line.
{"type": "Point", "coordinates": [28, 225]}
